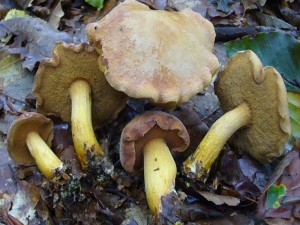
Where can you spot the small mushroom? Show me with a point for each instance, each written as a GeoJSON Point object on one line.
{"type": "Point", "coordinates": [255, 101]}
{"type": "Point", "coordinates": [165, 57]}
{"type": "Point", "coordinates": [71, 86]}
{"type": "Point", "coordinates": [154, 136]}
{"type": "Point", "coordinates": [28, 142]}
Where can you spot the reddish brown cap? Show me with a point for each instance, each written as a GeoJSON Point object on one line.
{"type": "Point", "coordinates": [245, 80]}
{"type": "Point", "coordinates": [166, 57]}
{"type": "Point", "coordinates": [17, 134]}
{"type": "Point", "coordinates": [69, 63]}
{"type": "Point", "coordinates": [145, 127]}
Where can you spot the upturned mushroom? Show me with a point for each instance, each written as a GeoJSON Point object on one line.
{"type": "Point", "coordinates": [71, 86]}
{"type": "Point", "coordinates": [255, 101]}
{"type": "Point", "coordinates": [165, 57]}
{"type": "Point", "coordinates": [149, 141]}
{"type": "Point", "coordinates": [29, 140]}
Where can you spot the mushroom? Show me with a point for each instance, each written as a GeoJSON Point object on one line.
{"type": "Point", "coordinates": [165, 57]}
{"type": "Point", "coordinates": [255, 101]}
{"type": "Point", "coordinates": [28, 142]}
{"type": "Point", "coordinates": [71, 86]}
{"type": "Point", "coordinates": [154, 136]}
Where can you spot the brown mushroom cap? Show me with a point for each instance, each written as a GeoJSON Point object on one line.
{"type": "Point", "coordinates": [244, 79]}
{"type": "Point", "coordinates": [17, 134]}
{"type": "Point", "coordinates": [162, 56]}
{"type": "Point", "coordinates": [145, 127]}
{"type": "Point", "coordinates": [69, 63]}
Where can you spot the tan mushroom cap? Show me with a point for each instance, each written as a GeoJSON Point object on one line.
{"type": "Point", "coordinates": [146, 127]}
{"type": "Point", "coordinates": [17, 134]}
{"type": "Point", "coordinates": [162, 56]}
{"type": "Point", "coordinates": [244, 79]}
{"type": "Point", "coordinates": [69, 63]}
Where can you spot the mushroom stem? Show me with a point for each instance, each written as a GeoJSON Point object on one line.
{"type": "Point", "coordinates": [82, 130]}
{"type": "Point", "coordinates": [159, 173]}
{"type": "Point", "coordinates": [199, 163]}
{"type": "Point", "coordinates": [45, 159]}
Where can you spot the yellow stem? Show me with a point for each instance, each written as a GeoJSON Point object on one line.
{"type": "Point", "coordinates": [45, 159]}
{"type": "Point", "coordinates": [199, 163]}
{"type": "Point", "coordinates": [159, 173]}
{"type": "Point", "coordinates": [82, 130]}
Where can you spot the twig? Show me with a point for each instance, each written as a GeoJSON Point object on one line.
{"type": "Point", "coordinates": [232, 33]}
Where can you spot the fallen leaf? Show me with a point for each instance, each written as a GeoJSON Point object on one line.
{"type": "Point", "coordinates": [135, 215]}
{"type": "Point", "coordinates": [223, 5]}
{"type": "Point", "coordinates": [34, 39]}
{"type": "Point", "coordinates": [290, 11]}
{"type": "Point", "coordinates": [280, 198]}
{"type": "Point", "coordinates": [156, 4]}
{"type": "Point", "coordinates": [272, 21]}
{"type": "Point", "coordinates": [24, 3]}
{"type": "Point", "coordinates": [24, 202]}
{"type": "Point", "coordinates": [201, 7]}
{"type": "Point", "coordinates": [56, 15]}
{"type": "Point", "coordinates": [15, 82]}
{"type": "Point", "coordinates": [220, 199]}
{"type": "Point", "coordinates": [251, 4]}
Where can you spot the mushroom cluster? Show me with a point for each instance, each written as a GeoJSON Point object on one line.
{"type": "Point", "coordinates": [166, 58]}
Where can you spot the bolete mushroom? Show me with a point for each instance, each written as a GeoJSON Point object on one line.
{"type": "Point", "coordinates": [28, 142]}
{"type": "Point", "coordinates": [165, 57]}
{"type": "Point", "coordinates": [153, 136]}
{"type": "Point", "coordinates": [71, 86]}
{"type": "Point", "coordinates": [255, 101]}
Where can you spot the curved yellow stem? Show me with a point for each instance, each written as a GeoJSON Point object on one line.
{"type": "Point", "coordinates": [45, 159]}
{"type": "Point", "coordinates": [82, 130]}
{"type": "Point", "coordinates": [159, 173]}
{"type": "Point", "coordinates": [199, 163]}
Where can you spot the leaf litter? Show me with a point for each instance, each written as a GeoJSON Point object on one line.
{"type": "Point", "coordinates": [118, 198]}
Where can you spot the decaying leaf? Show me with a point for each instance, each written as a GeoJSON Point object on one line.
{"type": "Point", "coordinates": [15, 84]}
{"type": "Point", "coordinates": [220, 199]}
{"type": "Point", "coordinates": [56, 15]}
{"type": "Point", "coordinates": [252, 4]}
{"type": "Point", "coordinates": [156, 4]}
{"type": "Point", "coordinates": [280, 198]}
{"type": "Point", "coordinates": [34, 39]}
{"type": "Point", "coordinates": [290, 11]}
{"type": "Point", "coordinates": [272, 21]}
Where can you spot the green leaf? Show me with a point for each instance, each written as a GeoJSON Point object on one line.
{"type": "Point", "coordinates": [95, 3]}
{"type": "Point", "coordinates": [274, 193]}
{"type": "Point", "coordinates": [294, 108]}
{"type": "Point", "coordinates": [277, 49]}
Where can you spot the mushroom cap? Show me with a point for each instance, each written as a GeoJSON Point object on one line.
{"type": "Point", "coordinates": [145, 127]}
{"type": "Point", "coordinates": [17, 134]}
{"type": "Point", "coordinates": [69, 63]}
{"type": "Point", "coordinates": [165, 57]}
{"type": "Point", "coordinates": [244, 79]}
